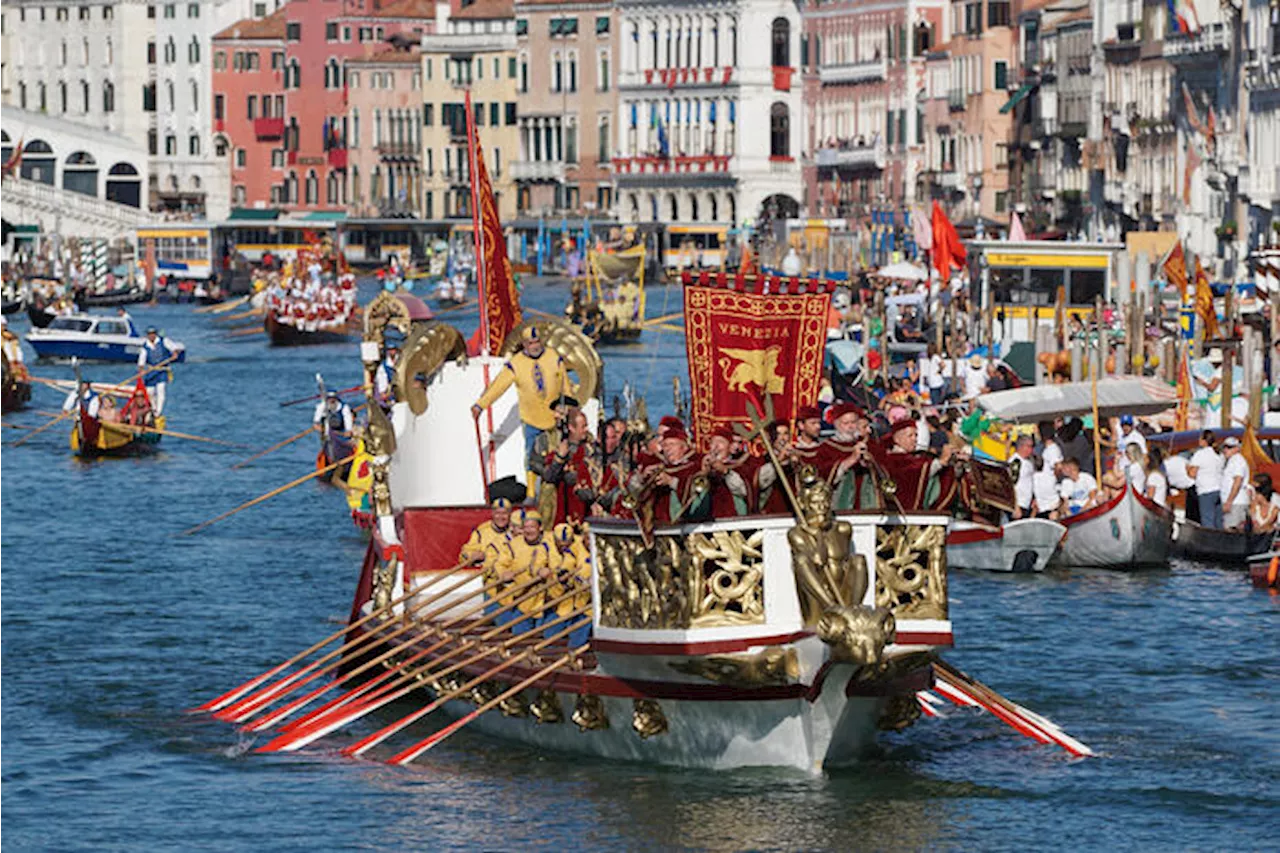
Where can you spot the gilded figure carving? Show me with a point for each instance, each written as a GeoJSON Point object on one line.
{"type": "Point", "coordinates": [385, 310]}
{"type": "Point", "coordinates": [898, 713]}
{"type": "Point", "coordinates": [647, 718]}
{"type": "Point", "coordinates": [589, 713]}
{"type": "Point", "coordinates": [384, 581]}
{"type": "Point", "coordinates": [856, 633]}
{"type": "Point", "coordinates": [911, 571]}
{"type": "Point", "coordinates": [485, 691]}
{"type": "Point", "coordinates": [546, 707]}
{"type": "Point", "coordinates": [682, 582]}
{"type": "Point", "coordinates": [428, 346]}
{"type": "Point", "coordinates": [827, 573]}
{"type": "Point", "coordinates": [772, 666]}
{"type": "Point", "coordinates": [514, 706]}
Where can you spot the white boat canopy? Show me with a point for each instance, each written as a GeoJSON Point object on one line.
{"type": "Point", "coordinates": [1116, 397]}
{"type": "Point", "coordinates": [903, 270]}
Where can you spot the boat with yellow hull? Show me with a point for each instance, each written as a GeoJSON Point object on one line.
{"type": "Point", "coordinates": [92, 437]}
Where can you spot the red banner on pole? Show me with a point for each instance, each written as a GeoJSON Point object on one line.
{"type": "Point", "coordinates": [500, 302]}
{"type": "Point", "coordinates": [744, 346]}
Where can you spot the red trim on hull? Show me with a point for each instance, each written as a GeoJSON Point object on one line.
{"type": "Point", "coordinates": [711, 647]}
{"type": "Point", "coordinates": [974, 534]}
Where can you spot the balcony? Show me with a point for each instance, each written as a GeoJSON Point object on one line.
{"type": "Point", "coordinates": [337, 158]}
{"type": "Point", "coordinates": [456, 177]}
{"type": "Point", "coordinates": [956, 100]}
{"type": "Point", "coordinates": [402, 152]}
{"type": "Point", "coordinates": [851, 157]}
{"type": "Point", "coordinates": [462, 44]}
{"type": "Point", "coordinates": [671, 165]}
{"type": "Point", "coordinates": [268, 128]}
{"type": "Point", "coordinates": [782, 78]}
{"type": "Point", "coordinates": [537, 171]}
{"type": "Point", "coordinates": [669, 78]}
{"type": "Point", "coordinates": [1213, 39]}
{"type": "Point", "coordinates": [854, 72]}
{"type": "Point", "coordinates": [948, 180]}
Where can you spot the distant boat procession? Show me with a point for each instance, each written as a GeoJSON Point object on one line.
{"type": "Point", "coordinates": [761, 578]}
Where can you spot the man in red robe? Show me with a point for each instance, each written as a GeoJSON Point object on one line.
{"type": "Point", "coordinates": [922, 480]}
{"type": "Point", "coordinates": [566, 470]}
{"type": "Point", "coordinates": [729, 491]}
{"type": "Point", "coordinates": [842, 460]}
{"type": "Point", "coordinates": [670, 482]}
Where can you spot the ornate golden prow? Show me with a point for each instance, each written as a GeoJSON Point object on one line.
{"type": "Point", "coordinates": [832, 582]}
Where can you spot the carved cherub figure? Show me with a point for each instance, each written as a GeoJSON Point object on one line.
{"type": "Point", "coordinates": [827, 573]}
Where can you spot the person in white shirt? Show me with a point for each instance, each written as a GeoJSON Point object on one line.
{"type": "Point", "coordinates": [84, 397]}
{"type": "Point", "coordinates": [1157, 485]}
{"type": "Point", "coordinates": [1129, 434]}
{"type": "Point", "coordinates": [1051, 454]}
{"type": "Point", "coordinates": [1135, 467]}
{"type": "Point", "coordinates": [975, 377]}
{"type": "Point", "coordinates": [931, 376]}
{"type": "Point", "coordinates": [1025, 471]}
{"type": "Point", "coordinates": [1205, 468]}
{"type": "Point", "coordinates": [1236, 488]}
{"type": "Point", "coordinates": [1044, 491]}
{"type": "Point", "coordinates": [1077, 488]}
{"type": "Point", "coordinates": [1264, 510]}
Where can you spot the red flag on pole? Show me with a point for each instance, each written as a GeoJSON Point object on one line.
{"type": "Point", "coordinates": [1204, 303]}
{"type": "Point", "coordinates": [948, 251]}
{"type": "Point", "coordinates": [1175, 269]}
{"type": "Point", "coordinates": [499, 300]}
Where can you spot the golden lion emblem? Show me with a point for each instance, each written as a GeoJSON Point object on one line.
{"type": "Point", "coordinates": [753, 367]}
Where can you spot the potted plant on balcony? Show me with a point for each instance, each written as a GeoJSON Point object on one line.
{"type": "Point", "coordinates": [1226, 230]}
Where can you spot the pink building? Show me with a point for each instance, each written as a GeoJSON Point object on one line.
{"type": "Point", "coordinates": [320, 37]}
{"type": "Point", "coordinates": [248, 108]}
{"type": "Point", "coordinates": [384, 121]}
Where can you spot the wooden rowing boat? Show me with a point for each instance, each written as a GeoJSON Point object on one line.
{"type": "Point", "coordinates": [1215, 545]}
{"type": "Point", "coordinates": [93, 437]}
{"type": "Point", "coordinates": [1127, 532]}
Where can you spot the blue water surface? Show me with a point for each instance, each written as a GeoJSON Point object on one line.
{"type": "Point", "coordinates": [113, 627]}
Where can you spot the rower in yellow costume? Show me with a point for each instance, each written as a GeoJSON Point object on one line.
{"type": "Point", "coordinates": [528, 557]}
{"type": "Point", "coordinates": [572, 571]}
{"type": "Point", "coordinates": [541, 379]}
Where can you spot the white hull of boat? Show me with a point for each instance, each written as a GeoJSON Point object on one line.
{"type": "Point", "coordinates": [1127, 532]}
{"type": "Point", "coordinates": [1025, 545]}
{"type": "Point", "coordinates": [832, 731]}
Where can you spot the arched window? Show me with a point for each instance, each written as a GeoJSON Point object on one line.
{"type": "Point", "coordinates": [84, 51]}
{"type": "Point", "coordinates": [22, 95]}
{"type": "Point", "coordinates": [693, 208]}
{"type": "Point", "coordinates": [170, 145]}
{"type": "Point", "coordinates": [331, 188]}
{"type": "Point", "coordinates": [634, 205]}
{"type": "Point", "coordinates": [779, 132]}
{"type": "Point", "coordinates": [62, 96]}
{"type": "Point", "coordinates": [194, 182]}
{"type": "Point", "coordinates": [733, 209]}
{"type": "Point", "coordinates": [62, 53]}
{"type": "Point", "coordinates": [193, 145]}
{"type": "Point", "coordinates": [733, 45]}
{"type": "Point", "coordinates": [312, 188]}
{"type": "Point", "coordinates": [193, 51]}
{"type": "Point", "coordinates": [170, 52]}
{"type": "Point", "coordinates": [169, 94]}
{"type": "Point", "coordinates": [781, 43]}
{"type": "Point", "coordinates": [220, 146]}
{"type": "Point", "coordinates": [108, 97]}
{"type": "Point", "coordinates": [355, 128]}
{"type": "Point", "coordinates": [123, 185]}
{"type": "Point", "coordinates": [713, 208]}
{"type": "Point", "coordinates": [195, 97]}
{"type": "Point", "coordinates": [673, 208]}
{"type": "Point", "coordinates": [85, 96]}
{"type": "Point", "coordinates": [44, 98]}
{"type": "Point", "coordinates": [653, 207]}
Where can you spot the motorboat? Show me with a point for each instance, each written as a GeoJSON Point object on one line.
{"type": "Point", "coordinates": [1022, 545]}
{"type": "Point", "coordinates": [91, 338]}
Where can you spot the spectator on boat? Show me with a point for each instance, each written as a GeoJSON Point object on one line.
{"type": "Point", "coordinates": [975, 377]}
{"type": "Point", "coordinates": [540, 377]}
{"type": "Point", "coordinates": [1077, 488]}
{"type": "Point", "coordinates": [1205, 468]}
{"type": "Point", "coordinates": [155, 352]}
{"type": "Point", "coordinates": [1025, 472]}
{"type": "Point", "coordinates": [123, 314]}
{"type": "Point", "coordinates": [1235, 485]}
{"type": "Point", "coordinates": [1129, 435]}
{"type": "Point", "coordinates": [1050, 451]}
{"type": "Point", "coordinates": [1044, 490]}
{"type": "Point", "coordinates": [1156, 484]}
{"type": "Point", "coordinates": [1264, 508]}
{"type": "Point", "coordinates": [1175, 470]}
{"type": "Point", "coordinates": [84, 397]}
{"type": "Point", "coordinates": [1076, 441]}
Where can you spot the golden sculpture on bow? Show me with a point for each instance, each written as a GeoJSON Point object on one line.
{"type": "Point", "coordinates": [911, 570]}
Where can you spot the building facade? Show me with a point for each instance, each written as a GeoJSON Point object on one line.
{"type": "Point", "coordinates": [863, 66]}
{"type": "Point", "coordinates": [473, 52]}
{"type": "Point", "coordinates": [567, 84]}
{"type": "Point", "coordinates": [248, 110]}
{"type": "Point", "coordinates": [699, 85]}
{"type": "Point", "coordinates": [384, 122]}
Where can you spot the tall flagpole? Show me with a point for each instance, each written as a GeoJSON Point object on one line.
{"type": "Point", "coordinates": [472, 144]}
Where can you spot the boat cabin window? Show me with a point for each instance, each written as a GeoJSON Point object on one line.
{"type": "Point", "coordinates": [112, 327]}
{"type": "Point", "coordinates": [70, 324]}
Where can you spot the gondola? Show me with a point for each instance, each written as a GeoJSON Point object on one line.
{"type": "Point", "coordinates": [92, 437]}
{"type": "Point", "coordinates": [1214, 545]}
{"type": "Point", "coordinates": [119, 296]}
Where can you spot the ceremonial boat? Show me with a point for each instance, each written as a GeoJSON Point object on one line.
{"type": "Point", "coordinates": [15, 393]}
{"type": "Point", "coordinates": [285, 331]}
{"type": "Point", "coordinates": [92, 437]}
{"type": "Point", "coordinates": [90, 338]}
{"type": "Point", "coordinates": [127, 295]}
{"type": "Point", "coordinates": [1024, 545]}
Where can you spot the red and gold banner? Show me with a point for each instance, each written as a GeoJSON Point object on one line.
{"type": "Point", "coordinates": [750, 339]}
{"type": "Point", "coordinates": [497, 284]}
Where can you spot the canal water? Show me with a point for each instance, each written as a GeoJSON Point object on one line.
{"type": "Point", "coordinates": [112, 627]}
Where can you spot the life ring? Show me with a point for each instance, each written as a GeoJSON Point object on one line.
{"type": "Point", "coordinates": [1273, 570]}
